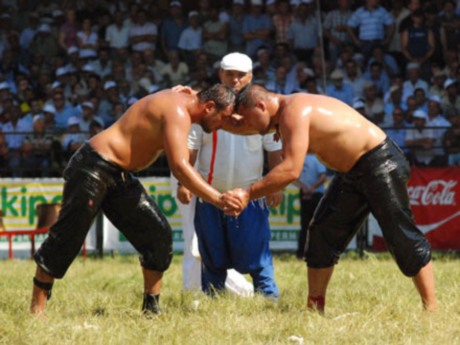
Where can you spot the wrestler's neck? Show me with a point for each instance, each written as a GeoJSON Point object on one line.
{"type": "Point", "coordinates": [195, 108]}
{"type": "Point", "coordinates": [275, 107]}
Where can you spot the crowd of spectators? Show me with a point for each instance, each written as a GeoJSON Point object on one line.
{"type": "Point", "coordinates": [71, 68]}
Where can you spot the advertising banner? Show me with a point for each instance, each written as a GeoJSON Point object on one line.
{"type": "Point", "coordinates": [435, 201]}
{"type": "Point", "coordinates": [19, 198]}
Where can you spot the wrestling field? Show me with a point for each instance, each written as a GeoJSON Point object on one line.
{"type": "Point", "coordinates": [99, 302]}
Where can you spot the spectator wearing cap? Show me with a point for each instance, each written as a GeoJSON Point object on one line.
{"type": "Point", "coordinates": [397, 130]}
{"type": "Point", "coordinates": [73, 60]}
{"type": "Point", "coordinates": [102, 65]}
{"type": "Point", "coordinates": [87, 40]}
{"type": "Point", "coordinates": [44, 43]}
{"type": "Point", "coordinates": [439, 124]}
{"type": "Point", "coordinates": [437, 84]}
{"type": "Point", "coordinates": [68, 31]}
{"type": "Point", "coordinates": [49, 112]}
{"type": "Point", "coordinates": [257, 29]}
{"type": "Point", "coordinates": [73, 138]}
{"type": "Point", "coordinates": [450, 103]}
{"type": "Point", "coordinates": [63, 111]}
{"type": "Point", "coordinates": [15, 132]}
{"type": "Point", "coordinates": [420, 140]}
{"type": "Point", "coordinates": [305, 22]}
{"type": "Point", "coordinates": [215, 34]}
{"type": "Point", "coordinates": [87, 116]}
{"type": "Point", "coordinates": [175, 71]}
{"type": "Point", "coordinates": [374, 24]}
{"type": "Point", "coordinates": [36, 149]}
{"type": "Point", "coordinates": [172, 27]}
{"type": "Point", "coordinates": [413, 80]}
{"type": "Point", "coordinates": [335, 28]}
{"type": "Point", "coordinates": [282, 20]}
{"type": "Point", "coordinates": [236, 36]}
{"type": "Point", "coordinates": [117, 34]}
{"type": "Point", "coordinates": [395, 101]}
{"type": "Point", "coordinates": [371, 99]}
{"type": "Point", "coordinates": [451, 140]}
{"type": "Point", "coordinates": [190, 41]}
{"type": "Point", "coordinates": [417, 41]}
{"type": "Point", "coordinates": [340, 89]}
{"type": "Point", "coordinates": [143, 34]}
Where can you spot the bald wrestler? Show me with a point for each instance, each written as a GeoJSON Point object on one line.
{"type": "Point", "coordinates": [371, 176]}
{"type": "Point", "coordinates": [99, 177]}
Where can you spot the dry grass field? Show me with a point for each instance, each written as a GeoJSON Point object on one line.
{"type": "Point", "coordinates": [99, 301]}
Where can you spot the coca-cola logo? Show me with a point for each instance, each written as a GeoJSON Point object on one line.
{"type": "Point", "coordinates": [436, 192]}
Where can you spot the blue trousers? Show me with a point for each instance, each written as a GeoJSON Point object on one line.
{"type": "Point", "coordinates": [239, 242]}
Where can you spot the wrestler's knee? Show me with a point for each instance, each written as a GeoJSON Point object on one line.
{"type": "Point", "coordinates": [47, 266]}
{"type": "Point", "coordinates": [411, 262]}
{"type": "Point", "coordinates": [158, 260]}
{"type": "Point", "coordinates": [318, 253]}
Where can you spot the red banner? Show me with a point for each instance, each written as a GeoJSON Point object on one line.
{"type": "Point", "coordinates": [435, 201]}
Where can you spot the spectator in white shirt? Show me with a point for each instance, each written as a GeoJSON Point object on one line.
{"type": "Point", "coordinates": [143, 34]}
{"type": "Point", "coordinates": [420, 140]}
{"type": "Point", "coordinates": [413, 81]}
{"type": "Point", "coordinates": [87, 40]}
{"type": "Point", "coordinates": [190, 41]}
{"type": "Point", "coordinates": [117, 34]}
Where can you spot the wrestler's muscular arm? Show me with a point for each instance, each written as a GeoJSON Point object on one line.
{"type": "Point", "coordinates": [175, 131]}
{"type": "Point", "coordinates": [294, 129]}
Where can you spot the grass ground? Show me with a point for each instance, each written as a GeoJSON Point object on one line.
{"type": "Point", "coordinates": [98, 302]}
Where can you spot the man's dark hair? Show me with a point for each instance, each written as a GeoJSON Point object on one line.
{"type": "Point", "coordinates": [222, 95]}
{"type": "Point", "coordinates": [249, 94]}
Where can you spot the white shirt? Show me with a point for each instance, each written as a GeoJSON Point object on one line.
{"type": "Point", "coordinates": [409, 88]}
{"type": "Point", "coordinates": [190, 39]}
{"type": "Point", "coordinates": [117, 37]}
{"type": "Point", "coordinates": [238, 159]}
{"type": "Point", "coordinates": [141, 30]}
{"type": "Point", "coordinates": [14, 141]}
{"type": "Point", "coordinates": [90, 39]}
{"type": "Point", "coordinates": [438, 121]}
{"type": "Point", "coordinates": [422, 155]}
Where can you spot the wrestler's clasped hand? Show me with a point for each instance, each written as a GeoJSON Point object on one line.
{"type": "Point", "coordinates": [235, 201]}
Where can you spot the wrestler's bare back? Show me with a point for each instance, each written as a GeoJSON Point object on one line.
{"type": "Point", "coordinates": [338, 135]}
{"type": "Point", "coordinates": [136, 140]}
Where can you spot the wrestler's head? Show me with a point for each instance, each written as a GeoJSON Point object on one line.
{"type": "Point", "coordinates": [235, 70]}
{"type": "Point", "coordinates": [218, 101]}
{"type": "Point", "coordinates": [252, 110]}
